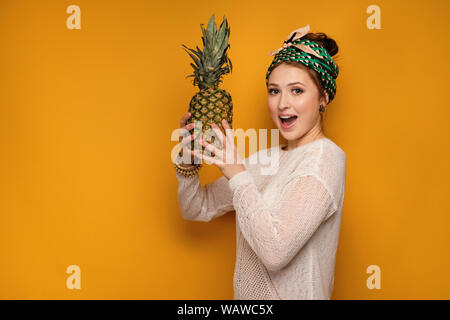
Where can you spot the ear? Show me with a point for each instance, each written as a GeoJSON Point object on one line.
{"type": "Point", "coordinates": [326, 100]}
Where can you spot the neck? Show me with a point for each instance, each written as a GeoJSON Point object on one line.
{"type": "Point", "coordinates": [313, 134]}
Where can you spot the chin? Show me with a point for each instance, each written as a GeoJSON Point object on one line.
{"type": "Point", "coordinates": [287, 135]}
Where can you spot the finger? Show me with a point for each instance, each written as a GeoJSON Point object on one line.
{"type": "Point", "coordinates": [225, 124]}
{"type": "Point", "coordinates": [187, 140]}
{"type": "Point", "coordinates": [186, 143]}
{"type": "Point", "coordinates": [189, 126]}
{"type": "Point", "coordinates": [230, 141]}
{"type": "Point", "coordinates": [212, 149]}
{"type": "Point", "coordinates": [185, 129]}
{"type": "Point", "coordinates": [229, 133]}
{"type": "Point", "coordinates": [186, 147]}
{"type": "Point", "coordinates": [185, 150]}
{"type": "Point", "coordinates": [183, 120]}
{"type": "Point", "coordinates": [183, 132]}
{"type": "Point", "coordinates": [196, 155]}
{"type": "Point", "coordinates": [206, 158]}
{"type": "Point", "coordinates": [226, 127]}
{"type": "Point", "coordinates": [219, 134]}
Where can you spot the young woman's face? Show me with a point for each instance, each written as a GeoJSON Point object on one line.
{"type": "Point", "coordinates": [292, 92]}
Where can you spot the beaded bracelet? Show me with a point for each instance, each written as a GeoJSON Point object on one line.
{"type": "Point", "coordinates": [186, 171]}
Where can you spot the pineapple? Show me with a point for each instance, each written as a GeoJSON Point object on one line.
{"type": "Point", "coordinates": [211, 104]}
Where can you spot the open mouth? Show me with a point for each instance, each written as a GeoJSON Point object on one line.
{"type": "Point", "coordinates": [287, 122]}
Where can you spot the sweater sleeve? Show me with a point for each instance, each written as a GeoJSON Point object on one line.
{"type": "Point", "coordinates": [199, 203]}
{"type": "Point", "coordinates": [276, 236]}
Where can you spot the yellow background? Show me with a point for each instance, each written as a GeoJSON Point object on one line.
{"type": "Point", "coordinates": [86, 119]}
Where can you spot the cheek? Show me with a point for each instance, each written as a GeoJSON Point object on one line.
{"type": "Point", "coordinates": [305, 105]}
{"type": "Point", "coordinates": [272, 105]}
{"type": "Point", "coordinates": [301, 108]}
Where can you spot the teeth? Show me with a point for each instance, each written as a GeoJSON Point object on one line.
{"type": "Point", "coordinates": [286, 117]}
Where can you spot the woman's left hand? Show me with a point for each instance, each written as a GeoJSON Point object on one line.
{"type": "Point", "coordinates": [226, 159]}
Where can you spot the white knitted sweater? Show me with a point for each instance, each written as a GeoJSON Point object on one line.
{"type": "Point", "coordinates": [287, 221]}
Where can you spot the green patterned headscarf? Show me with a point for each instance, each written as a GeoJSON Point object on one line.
{"type": "Point", "coordinates": [311, 55]}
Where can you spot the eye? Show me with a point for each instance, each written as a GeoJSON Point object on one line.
{"type": "Point", "coordinates": [298, 89]}
{"type": "Point", "coordinates": [271, 90]}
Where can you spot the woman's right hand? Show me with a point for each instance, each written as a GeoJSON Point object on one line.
{"type": "Point", "coordinates": [186, 139]}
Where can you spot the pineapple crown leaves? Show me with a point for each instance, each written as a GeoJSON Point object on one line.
{"type": "Point", "coordinates": [212, 62]}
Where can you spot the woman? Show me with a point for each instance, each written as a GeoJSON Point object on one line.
{"type": "Point", "coordinates": [287, 223]}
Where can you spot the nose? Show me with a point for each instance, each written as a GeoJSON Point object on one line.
{"type": "Point", "coordinates": [283, 103]}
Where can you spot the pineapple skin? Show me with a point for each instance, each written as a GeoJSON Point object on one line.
{"type": "Point", "coordinates": [211, 105]}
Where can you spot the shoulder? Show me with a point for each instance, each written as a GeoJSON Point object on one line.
{"type": "Point", "coordinates": [333, 154]}
{"type": "Point", "coordinates": [331, 168]}
{"type": "Point", "coordinates": [327, 162]}
{"type": "Point", "coordinates": [320, 155]}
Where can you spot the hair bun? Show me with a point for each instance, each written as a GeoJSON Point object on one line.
{"type": "Point", "coordinates": [323, 40]}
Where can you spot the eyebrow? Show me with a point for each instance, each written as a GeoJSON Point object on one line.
{"type": "Point", "coordinates": [274, 84]}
